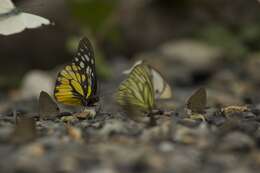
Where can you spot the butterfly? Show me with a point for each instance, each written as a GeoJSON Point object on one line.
{"type": "Point", "coordinates": [24, 130]}
{"type": "Point", "coordinates": [48, 109]}
{"type": "Point", "coordinates": [14, 21]}
{"type": "Point", "coordinates": [140, 89]}
{"type": "Point", "coordinates": [197, 101]}
{"type": "Point", "coordinates": [76, 83]}
{"type": "Point", "coordinates": [161, 88]}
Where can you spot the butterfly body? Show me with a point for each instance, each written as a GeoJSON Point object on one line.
{"type": "Point", "coordinates": [76, 83]}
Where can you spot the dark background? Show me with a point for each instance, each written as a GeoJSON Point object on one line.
{"type": "Point", "coordinates": [120, 30]}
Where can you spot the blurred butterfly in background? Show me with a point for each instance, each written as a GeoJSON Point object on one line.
{"type": "Point", "coordinates": [48, 109]}
{"type": "Point", "coordinates": [141, 88]}
{"type": "Point", "coordinates": [161, 88]}
{"type": "Point", "coordinates": [197, 101]}
{"type": "Point", "coordinates": [76, 83]}
{"type": "Point", "coordinates": [13, 21]}
{"type": "Point", "coordinates": [24, 130]}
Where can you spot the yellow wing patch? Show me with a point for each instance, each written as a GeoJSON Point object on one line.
{"type": "Point", "coordinates": [69, 88]}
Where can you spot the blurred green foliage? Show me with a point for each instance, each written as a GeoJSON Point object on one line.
{"type": "Point", "coordinates": [250, 34]}
{"type": "Point", "coordinates": [229, 41]}
{"type": "Point", "coordinates": [94, 14]}
{"type": "Point", "coordinates": [98, 19]}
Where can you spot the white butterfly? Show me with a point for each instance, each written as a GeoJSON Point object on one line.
{"type": "Point", "coordinates": [161, 88]}
{"type": "Point", "coordinates": [13, 21]}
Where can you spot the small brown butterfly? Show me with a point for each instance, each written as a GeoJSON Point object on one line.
{"type": "Point", "coordinates": [48, 109]}
{"type": "Point", "coordinates": [24, 131]}
{"type": "Point", "coordinates": [197, 101]}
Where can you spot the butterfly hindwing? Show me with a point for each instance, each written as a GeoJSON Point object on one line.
{"type": "Point", "coordinates": [68, 88]}
{"type": "Point", "coordinates": [77, 84]}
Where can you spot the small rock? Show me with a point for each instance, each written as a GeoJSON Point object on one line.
{"type": "Point", "coordinates": [235, 111]}
{"type": "Point", "coordinates": [74, 133]}
{"type": "Point", "coordinates": [193, 54]}
{"type": "Point", "coordinates": [70, 119]}
{"type": "Point", "coordinates": [87, 113]}
{"type": "Point", "coordinates": [113, 126]}
{"type": "Point", "coordinates": [166, 147]}
{"type": "Point", "coordinates": [68, 163]}
{"type": "Point", "coordinates": [160, 132]}
{"type": "Point", "coordinates": [34, 150]}
{"type": "Point", "coordinates": [103, 170]}
{"type": "Point", "coordinates": [198, 136]}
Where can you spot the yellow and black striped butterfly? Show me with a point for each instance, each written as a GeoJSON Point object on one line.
{"type": "Point", "coordinates": [76, 84]}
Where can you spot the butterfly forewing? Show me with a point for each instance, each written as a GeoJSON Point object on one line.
{"type": "Point", "coordinates": [77, 83]}
{"type": "Point", "coordinates": [85, 60]}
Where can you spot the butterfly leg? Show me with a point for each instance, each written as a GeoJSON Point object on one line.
{"type": "Point", "coordinates": [91, 111]}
